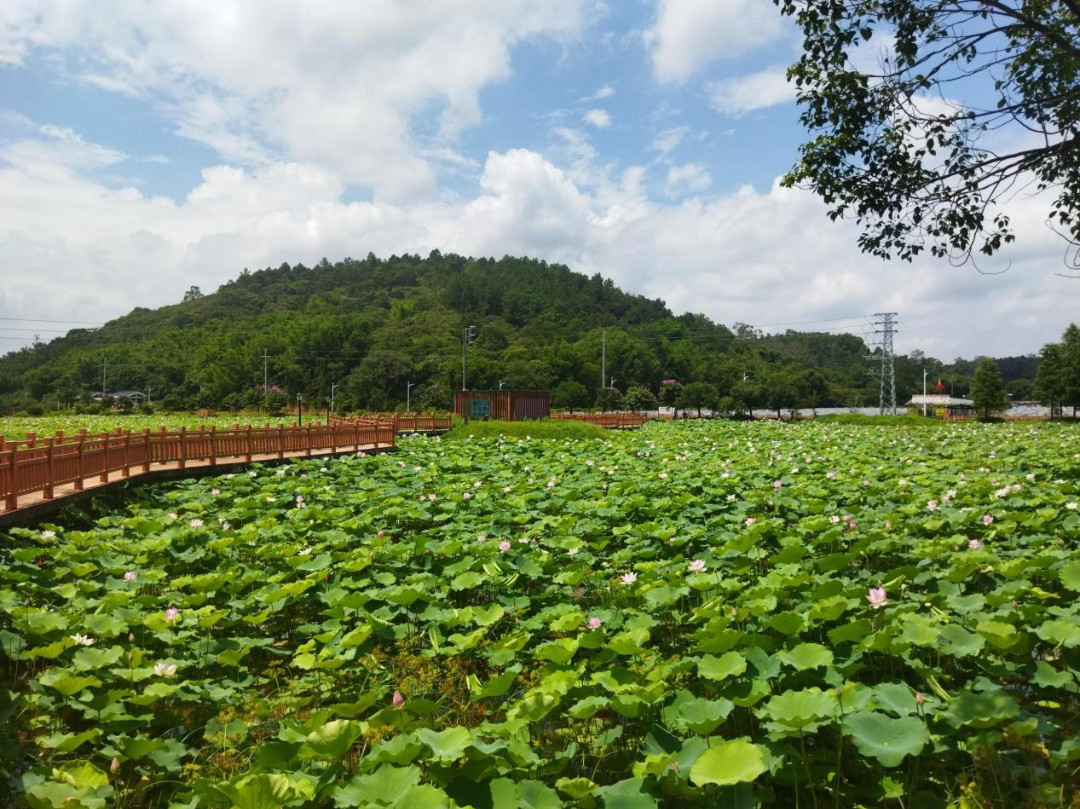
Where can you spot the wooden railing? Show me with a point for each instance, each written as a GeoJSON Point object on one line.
{"type": "Point", "coordinates": [412, 422]}
{"type": "Point", "coordinates": [612, 421]}
{"type": "Point", "coordinates": [41, 464]}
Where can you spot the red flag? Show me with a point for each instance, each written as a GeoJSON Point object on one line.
{"type": "Point", "coordinates": [940, 386]}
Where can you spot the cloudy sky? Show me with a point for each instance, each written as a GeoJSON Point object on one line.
{"type": "Point", "coordinates": [147, 146]}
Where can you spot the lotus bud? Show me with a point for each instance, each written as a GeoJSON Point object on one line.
{"type": "Point", "coordinates": [398, 701]}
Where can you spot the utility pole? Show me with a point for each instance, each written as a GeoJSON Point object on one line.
{"type": "Point", "coordinates": [408, 400]}
{"type": "Point", "coordinates": [467, 337]}
{"type": "Point", "coordinates": [603, 357]}
{"type": "Point", "coordinates": [885, 325]}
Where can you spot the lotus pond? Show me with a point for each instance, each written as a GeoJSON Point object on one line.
{"type": "Point", "coordinates": [695, 614]}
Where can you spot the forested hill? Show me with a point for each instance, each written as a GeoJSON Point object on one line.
{"type": "Point", "coordinates": [363, 330]}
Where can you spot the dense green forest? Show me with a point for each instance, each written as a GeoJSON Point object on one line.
{"type": "Point", "coordinates": [366, 332]}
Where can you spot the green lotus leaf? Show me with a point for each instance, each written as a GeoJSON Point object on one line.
{"type": "Point", "coordinates": [496, 686]}
{"type": "Point", "coordinates": [896, 698]}
{"type": "Point", "coordinates": [806, 656]}
{"type": "Point", "coordinates": [558, 651]}
{"type": "Point", "coordinates": [89, 658]}
{"type": "Point", "coordinates": [447, 745]}
{"type": "Point", "coordinates": [585, 708]}
{"type": "Point", "coordinates": [382, 787]}
{"type": "Point", "coordinates": [803, 710]}
{"type": "Point", "coordinates": [333, 739]}
{"type": "Point", "coordinates": [1069, 576]}
{"type": "Point", "coordinates": [524, 794]}
{"type": "Point", "coordinates": [1060, 633]}
{"type": "Point", "coordinates": [957, 641]}
{"type": "Point", "coordinates": [268, 790]}
{"type": "Point", "coordinates": [575, 788]}
{"type": "Point", "coordinates": [886, 739]}
{"type": "Point", "coordinates": [729, 762]}
{"type": "Point", "coordinates": [731, 664]}
{"type": "Point", "coordinates": [66, 683]}
{"type": "Point", "coordinates": [981, 709]}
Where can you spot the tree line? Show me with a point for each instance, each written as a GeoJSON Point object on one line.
{"type": "Point", "coordinates": [374, 333]}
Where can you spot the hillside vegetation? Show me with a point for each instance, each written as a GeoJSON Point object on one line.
{"type": "Point", "coordinates": [363, 330]}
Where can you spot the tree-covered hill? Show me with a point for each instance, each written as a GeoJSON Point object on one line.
{"type": "Point", "coordinates": [364, 330]}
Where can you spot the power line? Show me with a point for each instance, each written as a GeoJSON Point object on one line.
{"type": "Point", "coordinates": [42, 320]}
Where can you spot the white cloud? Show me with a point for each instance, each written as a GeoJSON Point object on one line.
{"type": "Point", "coordinates": [669, 139]}
{"type": "Point", "coordinates": [687, 178]}
{"type": "Point", "coordinates": [60, 150]}
{"type": "Point", "coordinates": [607, 91]}
{"type": "Point", "coordinates": [689, 34]}
{"type": "Point", "coordinates": [598, 118]}
{"type": "Point", "coordinates": [738, 96]}
{"type": "Point", "coordinates": [765, 257]}
{"type": "Point", "coordinates": [339, 83]}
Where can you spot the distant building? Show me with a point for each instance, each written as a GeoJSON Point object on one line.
{"type": "Point", "coordinates": [502, 405]}
{"type": "Point", "coordinates": [941, 406]}
{"type": "Point", "coordinates": [133, 395]}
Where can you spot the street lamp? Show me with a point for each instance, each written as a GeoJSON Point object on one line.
{"type": "Point", "coordinates": [408, 402]}
{"type": "Point", "coordinates": [333, 387]}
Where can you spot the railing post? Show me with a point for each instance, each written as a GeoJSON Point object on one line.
{"type": "Point", "coordinates": [126, 472]}
{"type": "Point", "coordinates": [213, 445]}
{"type": "Point", "coordinates": [81, 469]}
{"type": "Point", "coordinates": [183, 448]}
{"type": "Point", "coordinates": [333, 437]}
{"type": "Point", "coordinates": [31, 440]}
{"type": "Point", "coordinates": [11, 502]}
{"type": "Point", "coordinates": [280, 440]}
{"type": "Point", "coordinates": [310, 438]}
{"type": "Point", "coordinates": [104, 476]}
{"type": "Point", "coordinates": [356, 436]}
{"type": "Point", "coordinates": [146, 449]}
{"type": "Point", "coordinates": [50, 469]}
{"type": "Point", "coordinates": [247, 445]}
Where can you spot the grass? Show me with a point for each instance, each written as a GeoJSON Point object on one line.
{"type": "Point", "coordinates": [553, 429]}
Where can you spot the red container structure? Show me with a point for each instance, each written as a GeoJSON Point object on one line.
{"type": "Point", "coordinates": [502, 405]}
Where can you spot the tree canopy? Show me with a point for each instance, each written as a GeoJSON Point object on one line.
{"type": "Point", "coordinates": [926, 114]}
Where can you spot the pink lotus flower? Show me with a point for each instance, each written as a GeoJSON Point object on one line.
{"type": "Point", "coordinates": [466, 495]}
{"type": "Point", "coordinates": [932, 505]}
{"type": "Point", "coordinates": [504, 546]}
{"type": "Point", "coordinates": [697, 566]}
{"type": "Point", "coordinates": [398, 701]}
{"type": "Point", "coordinates": [877, 597]}
{"type": "Point", "coordinates": [172, 614]}
{"type": "Point", "coordinates": [196, 523]}
{"type": "Point", "coordinates": [919, 698]}
{"type": "Point", "coordinates": [974, 544]}
{"type": "Point", "coordinates": [629, 578]}
{"type": "Point", "coordinates": [164, 669]}
{"type": "Point", "coordinates": [987, 519]}
{"type": "Point", "coordinates": [594, 622]}
{"type": "Point", "coordinates": [48, 534]}
{"type": "Point", "coordinates": [750, 520]}
{"type": "Point", "coordinates": [131, 575]}
{"type": "Point", "coordinates": [834, 519]}
{"type": "Point", "coordinates": [481, 538]}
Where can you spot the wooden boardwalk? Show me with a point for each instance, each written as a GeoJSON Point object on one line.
{"type": "Point", "coordinates": [39, 476]}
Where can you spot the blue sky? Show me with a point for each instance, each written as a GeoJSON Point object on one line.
{"type": "Point", "coordinates": [148, 147]}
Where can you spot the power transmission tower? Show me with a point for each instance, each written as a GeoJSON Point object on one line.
{"type": "Point", "coordinates": [885, 326]}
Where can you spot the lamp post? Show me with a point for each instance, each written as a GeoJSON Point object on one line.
{"type": "Point", "coordinates": [408, 401]}
{"type": "Point", "coordinates": [924, 393]}
{"type": "Point", "coordinates": [299, 415]}
{"type": "Point", "coordinates": [333, 387]}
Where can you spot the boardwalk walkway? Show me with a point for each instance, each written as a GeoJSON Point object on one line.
{"type": "Point", "coordinates": [38, 476]}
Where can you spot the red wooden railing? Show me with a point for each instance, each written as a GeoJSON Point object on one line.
{"type": "Point", "coordinates": [612, 421]}
{"type": "Point", "coordinates": [413, 422]}
{"type": "Point", "coordinates": [41, 464]}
